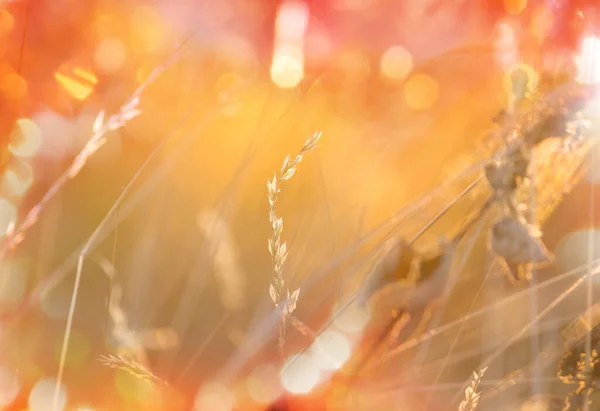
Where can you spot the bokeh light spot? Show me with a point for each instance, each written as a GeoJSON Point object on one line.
{"type": "Point", "coordinates": [331, 350]}
{"type": "Point", "coordinates": [353, 319]}
{"type": "Point", "coordinates": [421, 91]}
{"type": "Point", "coordinates": [17, 178]}
{"type": "Point", "coordinates": [263, 384]}
{"type": "Point", "coordinates": [25, 139]}
{"type": "Point", "coordinates": [110, 55]}
{"type": "Point", "coordinates": [396, 63]}
{"type": "Point", "coordinates": [573, 250]}
{"type": "Point", "coordinates": [286, 71]}
{"type": "Point", "coordinates": [41, 396]}
{"type": "Point", "coordinates": [148, 31]}
{"type": "Point", "coordinates": [214, 397]}
{"type": "Point", "coordinates": [301, 375]}
{"type": "Point", "coordinates": [8, 214]}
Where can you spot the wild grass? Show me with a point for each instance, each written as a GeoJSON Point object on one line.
{"type": "Point", "coordinates": [281, 295]}
{"type": "Point", "coordinates": [471, 401]}
{"type": "Point", "coordinates": [278, 291]}
{"type": "Point", "coordinates": [132, 367]}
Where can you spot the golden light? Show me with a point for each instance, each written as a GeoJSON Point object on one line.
{"type": "Point", "coordinates": [79, 349]}
{"type": "Point", "coordinates": [532, 78]}
{"type": "Point", "coordinates": [143, 72]}
{"type": "Point", "coordinates": [58, 135]}
{"type": "Point", "coordinates": [287, 67]}
{"type": "Point", "coordinates": [17, 179]}
{"type": "Point", "coordinates": [353, 319]}
{"type": "Point", "coordinates": [537, 403]}
{"type": "Point", "coordinates": [515, 6]}
{"type": "Point", "coordinates": [85, 74]}
{"type": "Point", "coordinates": [9, 386]}
{"type": "Point", "coordinates": [300, 374]}
{"type": "Point", "coordinates": [292, 19]}
{"type": "Point", "coordinates": [396, 63]}
{"type": "Point", "coordinates": [541, 22]}
{"type": "Point", "coordinates": [593, 174]}
{"type": "Point", "coordinates": [226, 82]}
{"type": "Point", "coordinates": [25, 139]}
{"type": "Point", "coordinates": [214, 397]}
{"type": "Point", "coordinates": [588, 61]}
{"type": "Point", "coordinates": [286, 71]}
{"type": "Point", "coordinates": [421, 91]}
{"type": "Point", "coordinates": [263, 385]}
{"type": "Point", "coordinates": [14, 86]}
{"type": "Point", "coordinates": [42, 395]}
{"type": "Point", "coordinates": [13, 282]}
{"type": "Point", "coordinates": [132, 388]}
{"type": "Point", "coordinates": [79, 89]}
{"type": "Point", "coordinates": [215, 13]}
{"type": "Point", "coordinates": [574, 249]}
{"type": "Point", "coordinates": [331, 350]}
{"type": "Point", "coordinates": [7, 22]}
{"type": "Point", "coordinates": [318, 46]}
{"type": "Point", "coordinates": [8, 215]}
{"type": "Point", "coordinates": [148, 33]}
{"type": "Point", "coordinates": [55, 304]}
{"type": "Point", "coordinates": [110, 55]}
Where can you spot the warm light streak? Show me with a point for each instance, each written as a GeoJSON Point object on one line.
{"type": "Point", "coordinates": [588, 61]}
{"type": "Point", "coordinates": [506, 50]}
